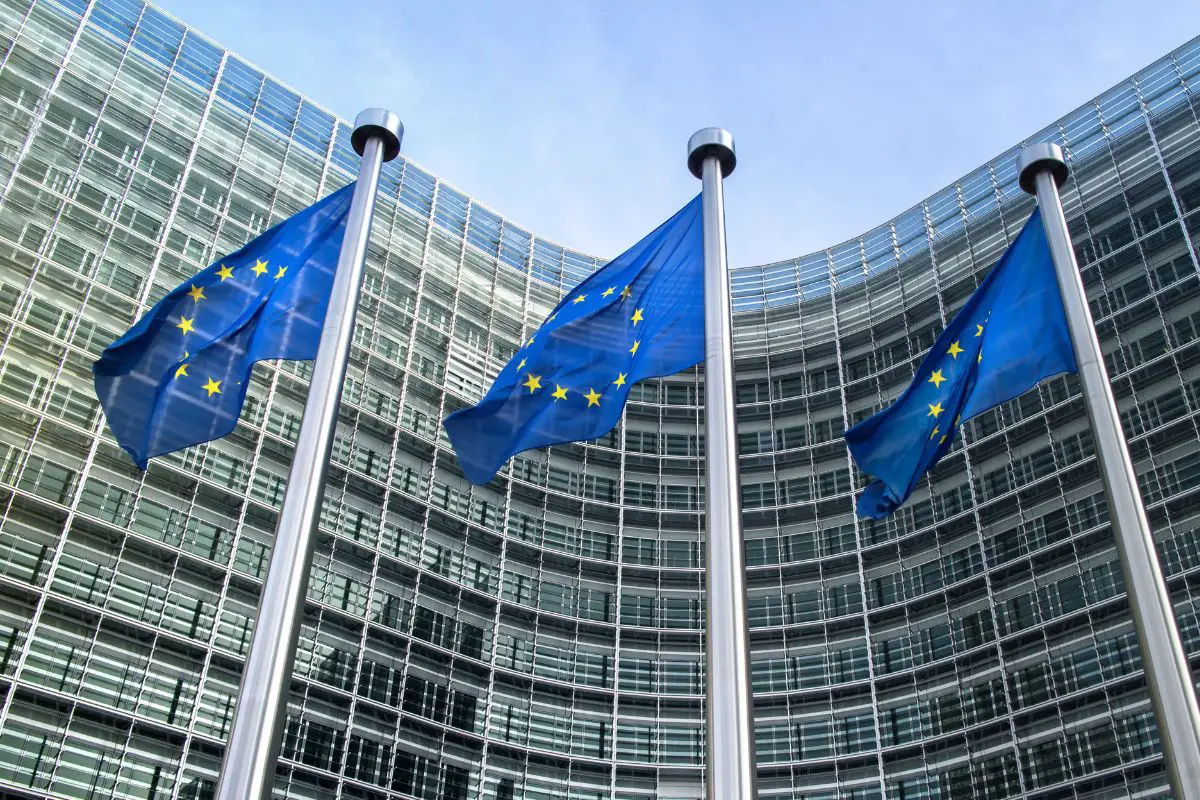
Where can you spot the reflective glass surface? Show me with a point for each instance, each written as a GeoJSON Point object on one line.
{"type": "Point", "coordinates": [540, 636]}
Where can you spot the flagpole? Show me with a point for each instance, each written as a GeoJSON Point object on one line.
{"type": "Point", "coordinates": [248, 771]}
{"type": "Point", "coordinates": [730, 703]}
{"type": "Point", "coordinates": [1168, 676]}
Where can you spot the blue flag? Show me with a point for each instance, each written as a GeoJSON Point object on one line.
{"type": "Point", "coordinates": [640, 316]}
{"type": "Point", "coordinates": [1011, 334]}
{"type": "Point", "coordinates": [178, 377]}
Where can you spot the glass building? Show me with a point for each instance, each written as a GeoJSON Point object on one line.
{"type": "Point", "coordinates": [541, 636]}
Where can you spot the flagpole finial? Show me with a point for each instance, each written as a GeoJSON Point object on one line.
{"type": "Point", "coordinates": [378, 122]}
{"type": "Point", "coordinates": [1038, 157]}
{"type": "Point", "coordinates": [711, 141]}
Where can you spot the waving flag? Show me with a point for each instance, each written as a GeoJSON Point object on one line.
{"type": "Point", "coordinates": [1011, 334]}
{"type": "Point", "coordinates": [640, 316]}
{"type": "Point", "coordinates": [178, 377]}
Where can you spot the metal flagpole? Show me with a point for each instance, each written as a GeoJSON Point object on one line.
{"type": "Point", "coordinates": [730, 703]}
{"type": "Point", "coordinates": [248, 771]}
{"type": "Point", "coordinates": [1043, 170]}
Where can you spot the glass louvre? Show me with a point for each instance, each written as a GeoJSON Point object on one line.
{"type": "Point", "coordinates": [541, 636]}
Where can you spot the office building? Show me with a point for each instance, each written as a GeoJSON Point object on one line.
{"type": "Point", "coordinates": [541, 636]}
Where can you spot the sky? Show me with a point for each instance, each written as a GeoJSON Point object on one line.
{"type": "Point", "coordinates": [571, 118]}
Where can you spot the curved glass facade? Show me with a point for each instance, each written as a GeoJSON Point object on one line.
{"type": "Point", "coordinates": [540, 637]}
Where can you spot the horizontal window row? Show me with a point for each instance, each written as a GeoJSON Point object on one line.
{"type": "Point", "coordinates": [931, 576]}
{"type": "Point", "coordinates": [815, 738]}
{"type": "Point", "coordinates": [367, 759]}
{"type": "Point", "coordinates": [943, 714]}
{"type": "Point", "coordinates": [1064, 596]}
{"type": "Point", "coordinates": [1084, 751]}
{"type": "Point", "coordinates": [804, 605]}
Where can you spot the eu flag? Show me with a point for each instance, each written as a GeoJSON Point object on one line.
{"type": "Point", "coordinates": [640, 316]}
{"type": "Point", "coordinates": [178, 377]}
{"type": "Point", "coordinates": [1011, 334]}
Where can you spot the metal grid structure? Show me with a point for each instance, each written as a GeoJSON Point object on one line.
{"type": "Point", "coordinates": [540, 636]}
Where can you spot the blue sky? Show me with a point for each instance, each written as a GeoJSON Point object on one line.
{"type": "Point", "coordinates": [571, 118]}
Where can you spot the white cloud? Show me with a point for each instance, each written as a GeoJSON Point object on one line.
{"type": "Point", "coordinates": [572, 118]}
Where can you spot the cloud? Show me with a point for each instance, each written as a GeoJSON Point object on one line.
{"type": "Point", "coordinates": [571, 119]}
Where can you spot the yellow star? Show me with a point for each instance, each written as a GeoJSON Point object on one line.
{"type": "Point", "coordinates": [185, 325]}
{"type": "Point", "coordinates": [592, 398]}
{"type": "Point", "coordinates": [935, 432]}
{"type": "Point", "coordinates": [637, 317]}
{"type": "Point", "coordinates": [943, 439]}
{"type": "Point", "coordinates": [521, 366]}
{"type": "Point", "coordinates": [197, 293]}
{"type": "Point", "coordinates": [281, 273]}
{"type": "Point", "coordinates": [224, 272]}
{"type": "Point", "coordinates": [934, 410]}
{"type": "Point", "coordinates": [260, 266]}
{"type": "Point", "coordinates": [979, 358]}
{"type": "Point", "coordinates": [620, 381]}
{"type": "Point", "coordinates": [636, 345]}
{"type": "Point", "coordinates": [580, 299]}
{"type": "Point", "coordinates": [559, 393]}
{"type": "Point", "coordinates": [534, 383]}
{"type": "Point", "coordinates": [978, 329]}
{"type": "Point", "coordinates": [626, 293]}
{"type": "Point", "coordinates": [936, 378]}
{"type": "Point", "coordinates": [212, 387]}
{"type": "Point", "coordinates": [609, 291]}
{"type": "Point", "coordinates": [552, 317]}
{"type": "Point", "coordinates": [181, 371]}
{"type": "Point", "coordinates": [955, 350]}
{"type": "Point", "coordinates": [531, 338]}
